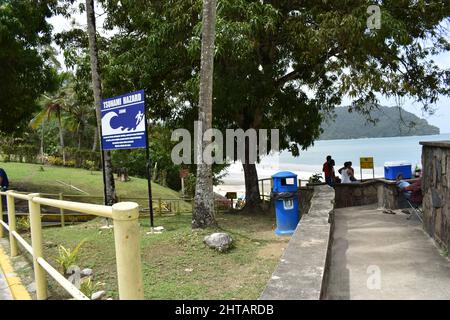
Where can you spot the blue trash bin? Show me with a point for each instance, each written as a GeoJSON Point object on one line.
{"type": "Point", "coordinates": [285, 196]}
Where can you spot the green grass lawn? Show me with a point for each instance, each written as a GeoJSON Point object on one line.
{"type": "Point", "coordinates": [176, 264]}
{"type": "Point", "coordinates": [30, 178]}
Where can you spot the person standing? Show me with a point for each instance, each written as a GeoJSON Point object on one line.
{"type": "Point", "coordinates": [4, 185]}
{"type": "Point", "coordinates": [347, 173]}
{"type": "Point", "coordinates": [4, 182]}
{"type": "Point", "coordinates": [328, 170]}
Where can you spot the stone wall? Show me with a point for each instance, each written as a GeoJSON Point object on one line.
{"type": "Point", "coordinates": [383, 192]}
{"type": "Point", "coordinates": [436, 191]}
{"type": "Point", "coordinates": [303, 269]}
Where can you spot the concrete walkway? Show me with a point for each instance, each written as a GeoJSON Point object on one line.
{"type": "Point", "coordinates": [384, 256]}
{"type": "Point", "coordinates": [5, 294]}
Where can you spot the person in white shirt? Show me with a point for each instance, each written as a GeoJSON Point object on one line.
{"type": "Point", "coordinates": [347, 173]}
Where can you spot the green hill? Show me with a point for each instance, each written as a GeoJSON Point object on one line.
{"type": "Point", "coordinates": [391, 122]}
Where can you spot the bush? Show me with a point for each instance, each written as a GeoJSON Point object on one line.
{"type": "Point", "coordinates": [55, 161]}
{"type": "Point", "coordinates": [23, 224]}
{"type": "Point", "coordinates": [67, 257]}
{"type": "Point", "coordinates": [71, 163]}
{"type": "Point", "coordinates": [88, 287]}
{"type": "Point", "coordinates": [89, 165]}
{"type": "Point", "coordinates": [189, 185]}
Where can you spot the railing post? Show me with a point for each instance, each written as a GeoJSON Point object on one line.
{"type": "Point", "coordinates": [262, 189]}
{"type": "Point", "coordinates": [61, 211]}
{"type": "Point", "coordinates": [128, 257]}
{"type": "Point", "coordinates": [12, 223]}
{"type": "Point", "coordinates": [1, 216]}
{"type": "Point", "coordinates": [36, 243]}
{"type": "Point", "coordinates": [178, 207]}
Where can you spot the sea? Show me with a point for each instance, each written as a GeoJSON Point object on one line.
{"type": "Point", "coordinates": [310, 161]}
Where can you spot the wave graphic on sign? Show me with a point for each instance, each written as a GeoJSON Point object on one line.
{"type": "Point", "coordinates": [113, 123]}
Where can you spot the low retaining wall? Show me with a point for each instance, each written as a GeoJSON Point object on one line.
{"type": "Point", "coordinates": [302, 272]}
{"type": "Point", "coordinates": [383, 192]}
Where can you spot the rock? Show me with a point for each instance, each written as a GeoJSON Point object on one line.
{"type": "Point", "coordinates": [158, 228]}
{"type": "Point", "coordinates": [219, 241]}
{"type": "Point", "coordinates": [50, 244]}
{"type": "Point", "coordinates": [86, 272]}
{"type": "Point", "coordinates": [188, 269]}
{"type": "Point", "coordinates": [98, 295]}
{"type": "Point", "coordinates": [31, 287]}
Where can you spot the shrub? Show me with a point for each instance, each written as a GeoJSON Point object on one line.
{"type": "Point", "coordinates": [89, 165]}
{"type": "Point", "coordinates": [55, 161]}
{"type": "Point", "coordinates": [88, 287]}
{"type": "Point", "coordinates": [71, 163]}
{"type": "Point", "coordinates": [315, 178]}
{"type": "Point", "coordinates": [23, 224]}
{"type": "Point", "coordinates": [68, 257]}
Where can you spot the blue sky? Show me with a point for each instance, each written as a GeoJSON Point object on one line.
{"type": "Point", "coordinates": [441, 117]}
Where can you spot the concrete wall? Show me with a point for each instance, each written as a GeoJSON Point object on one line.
{"type": "Point", "coordinates": [302, 271]}
{"type": "Point", "coordinates": [383, 192]}
{"type": "Point", "coordinates": [436, 191]}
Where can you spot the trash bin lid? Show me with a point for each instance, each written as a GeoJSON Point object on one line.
{"type": "Point", "coordinates": [284, 174]}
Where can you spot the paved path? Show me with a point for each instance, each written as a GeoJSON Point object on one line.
{"type": "Point", "coordinates": [5, 294]}
{"type": "Point", "coordinates": [383, 256]}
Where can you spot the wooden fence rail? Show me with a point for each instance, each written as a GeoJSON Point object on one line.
{"type": "Point", "coordinates": [126, 237]}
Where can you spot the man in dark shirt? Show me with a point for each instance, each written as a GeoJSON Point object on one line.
{"type": "Point", "coordinates": [328, 169]}
{"type": "Point", "coordinates": [4, 182]}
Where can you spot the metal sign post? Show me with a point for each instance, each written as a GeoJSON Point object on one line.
{"type": "Point", "coordinates": [149, 178]}
{"type": "Point", "coordinates": [367, 163]}
{"type": "Point", "coordinates": [124, 126]}
{"type": "Point", "coordinates": [183, 174]}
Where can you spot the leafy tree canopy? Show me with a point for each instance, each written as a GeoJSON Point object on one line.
{"type": "Point", "coordinates": [279, 64]}
{"type": "Point", "coordinates": [27, 64]}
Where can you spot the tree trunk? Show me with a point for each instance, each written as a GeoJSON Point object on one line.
{"type": "Point", "coordinates": [94, 144]}
{"type": "Point", "coordinates": [80, 136]}
{"type": "Point", "coordinates": [61, 137]}
{"type": "Point", "coordinates": [42, 141]}
{"type": "Point", "coordinates": [253, 201]}
{"type": "Point", "coordinates": [203, 214]}
{"type": "Point", "coordinates": [110, 196]}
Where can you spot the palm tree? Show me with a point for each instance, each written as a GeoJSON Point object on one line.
{"type": "Point", "coordinates": [203, 214]}
{"type": "Point", "coordinates": [77, 118]}
{"type": "Point", "coordinates": [54, 106]}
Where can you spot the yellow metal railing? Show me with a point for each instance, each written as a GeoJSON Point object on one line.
{"type": "Point", "coordinates": [126, 237]}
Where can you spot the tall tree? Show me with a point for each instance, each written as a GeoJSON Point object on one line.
{"type": "Point", "coordinates": [203, 214]}
{"type": "Point", "coordinates": [279, 64]}
{"type": "Point", "coordinates": [97, 88]}
{"type": "Point", "coordinates": [25, 69]}
{"type": "Point", "coordinates": [53, 105]}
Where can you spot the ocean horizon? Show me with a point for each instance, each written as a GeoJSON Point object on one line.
{"type": "Point", "coordinates": [388, 149]}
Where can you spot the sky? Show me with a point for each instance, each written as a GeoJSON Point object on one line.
{"type": "Point", "coordinates": [440, 119]}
